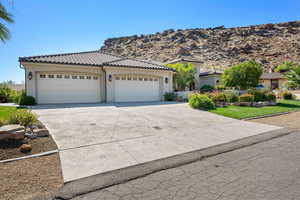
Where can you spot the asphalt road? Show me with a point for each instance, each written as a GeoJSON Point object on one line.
{"type": "Point", "coordinates": [265, 171]}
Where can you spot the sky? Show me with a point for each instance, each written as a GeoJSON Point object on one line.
{"type": "Point", "coordinates": [62, 26]}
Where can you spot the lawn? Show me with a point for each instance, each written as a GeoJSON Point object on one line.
{"type": "Point", "coordinates": [242, 112]}
{"type": "Point", "coordinates": [5, 111]}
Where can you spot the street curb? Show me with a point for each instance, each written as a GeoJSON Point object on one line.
{"type": "Point", "coordinates": [270, 115]}
{"type": "Point", "coordinates": [30, 156]}
{"type": "Point", "coordinates": [100, 181]}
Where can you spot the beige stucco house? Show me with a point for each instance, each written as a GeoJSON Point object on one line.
{"type": "Point", "coordinates": [94, 76]}
{"type": "Point", "coordinates": [273, 80]}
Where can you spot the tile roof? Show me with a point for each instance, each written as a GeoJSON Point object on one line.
{"type": "Point", "coordinates": [93, 58]}
{"type": "Point", "coordinates": [273, 75]}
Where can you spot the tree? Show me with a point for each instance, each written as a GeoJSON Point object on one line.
{"type": "Point", "coordinates": [6, 17]}
{"type": "Point", "coordinates": [293, 78]}
{"type": "Point", "coordinates": [185, 74]}
{"type": "Point", "coordinates": [285, 67]}
{"type": "Point", "coordinates": [242, 76]}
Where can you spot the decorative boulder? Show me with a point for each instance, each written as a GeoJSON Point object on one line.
{"type": "Point", "coordinates": [25, 148]}
{"type": "Point", "coordinates": [41, 132]}
{"type": "Point", "coordinates": [14, 132]}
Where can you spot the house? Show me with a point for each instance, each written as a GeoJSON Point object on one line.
{"type": "Point", "coordinates": [94, 76]}
{"type": "Point", "coordinates": [204, 75]}
{"type": "Point", "coordinates": [273, 80]}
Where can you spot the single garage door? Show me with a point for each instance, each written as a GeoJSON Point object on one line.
{"type": "Point", "coordinates": [136, 88]}
{"type": "Point", "coordinates": [67, 88]}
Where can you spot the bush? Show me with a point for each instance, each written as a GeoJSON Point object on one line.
{"type": "Point", "coordinates": [259, 95]}
{"type": "Point", "coordinates": [23, 99]}
{"type": "Point", "coordinates": [220, 87]}
{"type": "Point", "coordinates": [170, 96]}
{"type": "Point", "coordinates": [207, 88]}
{"type": "Point", "coordinates": [201, 101]}
{"type": "Point", "coordinates": [218, 97]}
{"type": "Point", "coordinates": [232, 97]}
{"type": "Point", "coordinates": [2, 122]}
{"type": "Point", "coordinates": [270, 96]}
{"type": "Point", "coordinates": [287, 95]}
{"type": "Point", "coordinates": [5, 94]}
{"type": "Point", "coordinates": [246, 98]}
{"type": "Point", "coordinates": [23, 117]}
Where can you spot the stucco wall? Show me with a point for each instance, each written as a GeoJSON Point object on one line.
{"type": "Point", "coordinates": [209, 80]}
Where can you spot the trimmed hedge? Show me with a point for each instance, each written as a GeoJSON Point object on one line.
{"type": "Point", "coordinates": [287, 95]}
{"type": "Point", "coordinates": [201, 101]}
{"type": "Point", "coordinates": [170, 96]}
{"type": "Point", "coordinates": [207, 88]}
{"type": "Point", "coordinates": [246, 98]}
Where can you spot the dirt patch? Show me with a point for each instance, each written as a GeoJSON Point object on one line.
{"type": "Point", "coordinates": [11, 149]}
{"type": "Point", "coordinates": [28, 179]}
{"type": "Point", "coordinates": [290, 120]}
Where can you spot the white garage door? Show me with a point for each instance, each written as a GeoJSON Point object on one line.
{"type": "Point", "coordinates": [67, 88]}
{"type": "Point", "coordinates": [136, 88]}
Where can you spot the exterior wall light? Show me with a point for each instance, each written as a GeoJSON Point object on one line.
{"type": "Point", "coordinates": [30, 75]}
{"type": "Point", "coordinates": [166, 80]}
{"type": "Point", "coordinates": [109, 77]}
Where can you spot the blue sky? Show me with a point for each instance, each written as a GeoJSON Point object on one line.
{"type": "Point", "coordinates": [57, 26]}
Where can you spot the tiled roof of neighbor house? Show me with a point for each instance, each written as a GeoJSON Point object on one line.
{"type": "Point", "coordinates": [273, 75]}
{"type": "Point", "coordinates": [209, 73]}
{"type": "Point", "coordinates": [94, 58]}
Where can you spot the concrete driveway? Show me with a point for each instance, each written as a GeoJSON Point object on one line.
{"type": "Point", "coordinates": [99, 138]}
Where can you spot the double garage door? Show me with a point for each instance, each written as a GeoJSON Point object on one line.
{"type": "Point", "coordinates": [67, 88]}
{"type": "Point", "coordinates": [84, 88]}
{"type": "Point", "coordinates": [136, 88]}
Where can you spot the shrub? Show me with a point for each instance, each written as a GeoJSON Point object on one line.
{"type": "Point", "coordinates": [23, 99]}
{"type": "Point", "coordinates": [207, 88]}
{"type": "Point", "coordinates": [170, 96]}
{"type": "Point", "coordinates": [201, 101]}
{"type": "Point", "coordinates": [2, 122]}
{"type": "Point", "coordinates": [246, 98]}
{"type": "Point", "coordinates": [23, 117]}
{"type": "Point", "coordinates": [287, 95]}
{"type": "Point", "coordinates": [270, 96]}
{"type": "Point", "coordinates": [232, 97]}
{"type": "Point", "coordinates": [218, 97]}
{"type": "Point", "coordinates": [259, 95]}
{"type": "Point", "coordinates": [5, 94]}
{"type": "Point", "coordinates": [220, 87]}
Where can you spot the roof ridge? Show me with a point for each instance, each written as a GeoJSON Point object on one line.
{"type": "Point", "coordinates": [135, 59]}
{"type": "Point", "coordinates": [59, 54]}
{"type": "Point", "coordinates": [109, 62]}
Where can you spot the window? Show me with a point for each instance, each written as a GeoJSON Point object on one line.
{"type": "Point", "coordinates": [50, 76]}
{"type": "Point", "coordinates": [88, 77]}
{"type": "Point", "coordinates": [74, 77]}
{"type": "Point", "coordinates": [42, 75]}
{"type": "Point", "coordinates": [129, 78]}
{"type": "Point", "coordinates": [134, 78]}
{"type": "Point", "coordinates": [117, 78]}
{"type": "Point", "coordinates": [140, 79]}
{"type": "Point", "coordinates": [58, 76]}
{"type": "Point", "coordinates": [67, 76]}
{"type": "Point", "coordinates": [123, 77]}
{"type": "Point", "coordinates": [81, 77]}
{"type": "Point", "coordinates": [145, 79]}
{"type": "Point", "coordinates": [95, 77]}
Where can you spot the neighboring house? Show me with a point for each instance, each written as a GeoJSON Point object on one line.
{"type": "Point", "coordinates": [204, 75]}
{"type": "Point", "coordinates": [273, 80]}
{"type": "Point", "coordinates": [94, 76]}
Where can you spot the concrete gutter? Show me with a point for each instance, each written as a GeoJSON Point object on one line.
{"type": "Point", "coordinates": [100, 181]}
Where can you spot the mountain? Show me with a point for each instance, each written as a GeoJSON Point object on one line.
{"type": "Point", "coordinates": [269, 44]}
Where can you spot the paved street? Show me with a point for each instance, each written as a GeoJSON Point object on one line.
{"type": "Point", "coordinates": [265, 171]}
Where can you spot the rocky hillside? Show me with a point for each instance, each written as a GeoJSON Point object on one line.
{"type": "Point", "coordinates": [269, 44]}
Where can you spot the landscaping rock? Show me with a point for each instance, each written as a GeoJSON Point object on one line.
{"type": "Point", "coordinates": [41, 132]}
{"type": "Point", "coordinates": [25, 148]}
{"type": "Point", "coordinates": [14, 135]}
{"type": "Point", "coordinates": [10, 128]}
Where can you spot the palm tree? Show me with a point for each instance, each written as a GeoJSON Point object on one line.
{"type": "Point", "coordinates": [7, 17]}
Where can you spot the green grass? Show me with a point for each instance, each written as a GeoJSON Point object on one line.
{"type": "Point", "coordinates": [6, 111]}
{"type": "Point", "coordinates": [242, 112]}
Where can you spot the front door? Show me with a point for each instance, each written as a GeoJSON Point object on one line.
{"type": "Point", "coordinates": [274, 84]}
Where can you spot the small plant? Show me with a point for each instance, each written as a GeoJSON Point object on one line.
{"type": "Point", "coordinates": [287, 95]}
{"type": "Point", "coordinates": [220, 87]}
{"type": "Point", "coordinates": [2, 122]}
{"type": "Point", "coordinates": [201, 101]}
{"type": "Point", "coordinates": [170, 96]}
{"type": "Point", "coordinates": [23, 99]}
{"type": "Point", "coordinates": [270, 96]}
{"type": "Point", "coordinates": [246, 98]}
{"type": "Point", "coordinates": [232, 97]}
{"type": "Point", "coordinates": [218, 97]}
{"type": "Point", "coordinates": [24, 118]}
{"type": "Point", "coordinates": [259, 95]}
{"type": "Point", "coordinates": [207, 88]}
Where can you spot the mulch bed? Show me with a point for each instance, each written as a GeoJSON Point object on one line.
{"type": "Point", "coordinates": [11, 148]}
{"type": "Point", "coordinates": [36, 178]}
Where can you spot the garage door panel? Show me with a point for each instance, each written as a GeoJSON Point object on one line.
{"type": "Point", "coordinates": [68, 90]}
{"type": "Point", "coordinates": [136, 90]}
